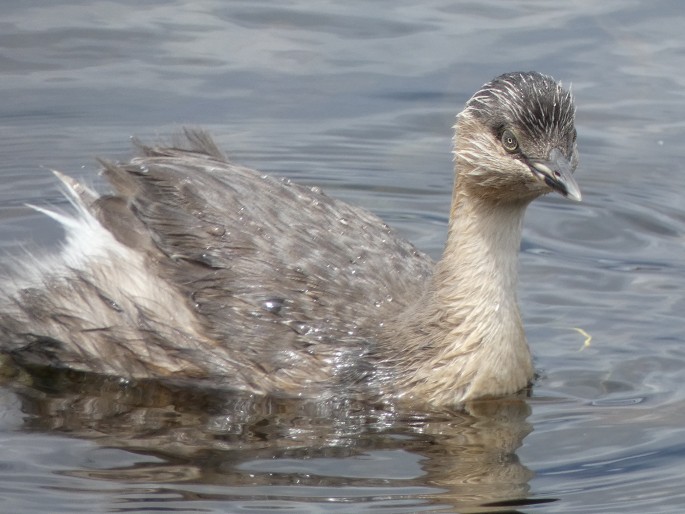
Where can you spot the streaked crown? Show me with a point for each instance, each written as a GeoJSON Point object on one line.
{"type": "Point", "coordinates": [534, 102]}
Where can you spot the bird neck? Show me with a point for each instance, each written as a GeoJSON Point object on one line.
{"type": "Point", "coordinates": [480, 260]}
{"type": "Point", "coordinates": [465, 335]}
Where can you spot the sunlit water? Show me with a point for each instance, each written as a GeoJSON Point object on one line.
{"type": "Point", "coordinates": [359, 97]}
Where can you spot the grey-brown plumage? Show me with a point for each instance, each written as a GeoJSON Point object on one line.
{"type": "Point", "coordinates": [196, 268]}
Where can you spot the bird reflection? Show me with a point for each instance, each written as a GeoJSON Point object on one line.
{"type": "Point", "coordinates": [463, 458]}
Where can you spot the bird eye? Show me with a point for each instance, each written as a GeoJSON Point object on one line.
{"type": "Point", "coordinates": [509, 141]}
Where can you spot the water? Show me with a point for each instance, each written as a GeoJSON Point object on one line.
{"type": "Point", "coordinates": [359, 98]}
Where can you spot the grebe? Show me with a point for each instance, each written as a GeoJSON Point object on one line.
{"type": "Point", "coordinates": [196, 268]}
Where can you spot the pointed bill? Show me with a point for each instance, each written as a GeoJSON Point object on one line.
{"type": "Point", "coordinates": [557, 172]}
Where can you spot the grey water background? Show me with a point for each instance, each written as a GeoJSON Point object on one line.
{"type": "Point", "coordinates": [359, 97]}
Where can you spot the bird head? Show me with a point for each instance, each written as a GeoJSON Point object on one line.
{"type": "Point", "coordinates": [516, 139]}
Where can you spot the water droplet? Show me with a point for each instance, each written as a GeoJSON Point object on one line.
{"type": "Point", "coordinates": [216, 230]}
{"type": "Point", "coordinates": [206, 258]}
{"type": "Point", "coordinates": [299, 327]}
{"type": "Point", "coordinates": [274, 305]}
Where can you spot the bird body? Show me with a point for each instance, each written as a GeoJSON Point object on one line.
{"type": "Point", "coordinates": [199, 269]}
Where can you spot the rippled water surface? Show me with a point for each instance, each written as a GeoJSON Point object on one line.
{"type": "Point", "coordinates": [359, 97]}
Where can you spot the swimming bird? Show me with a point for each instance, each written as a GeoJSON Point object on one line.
{"type": "Point", "coordinates": [195, 268]}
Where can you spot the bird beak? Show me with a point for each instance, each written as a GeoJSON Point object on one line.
{"type": "Point", "coordinates": [556, 171]}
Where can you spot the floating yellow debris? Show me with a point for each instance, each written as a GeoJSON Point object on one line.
{"type": "Point", "coordinates": [588, 338]}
